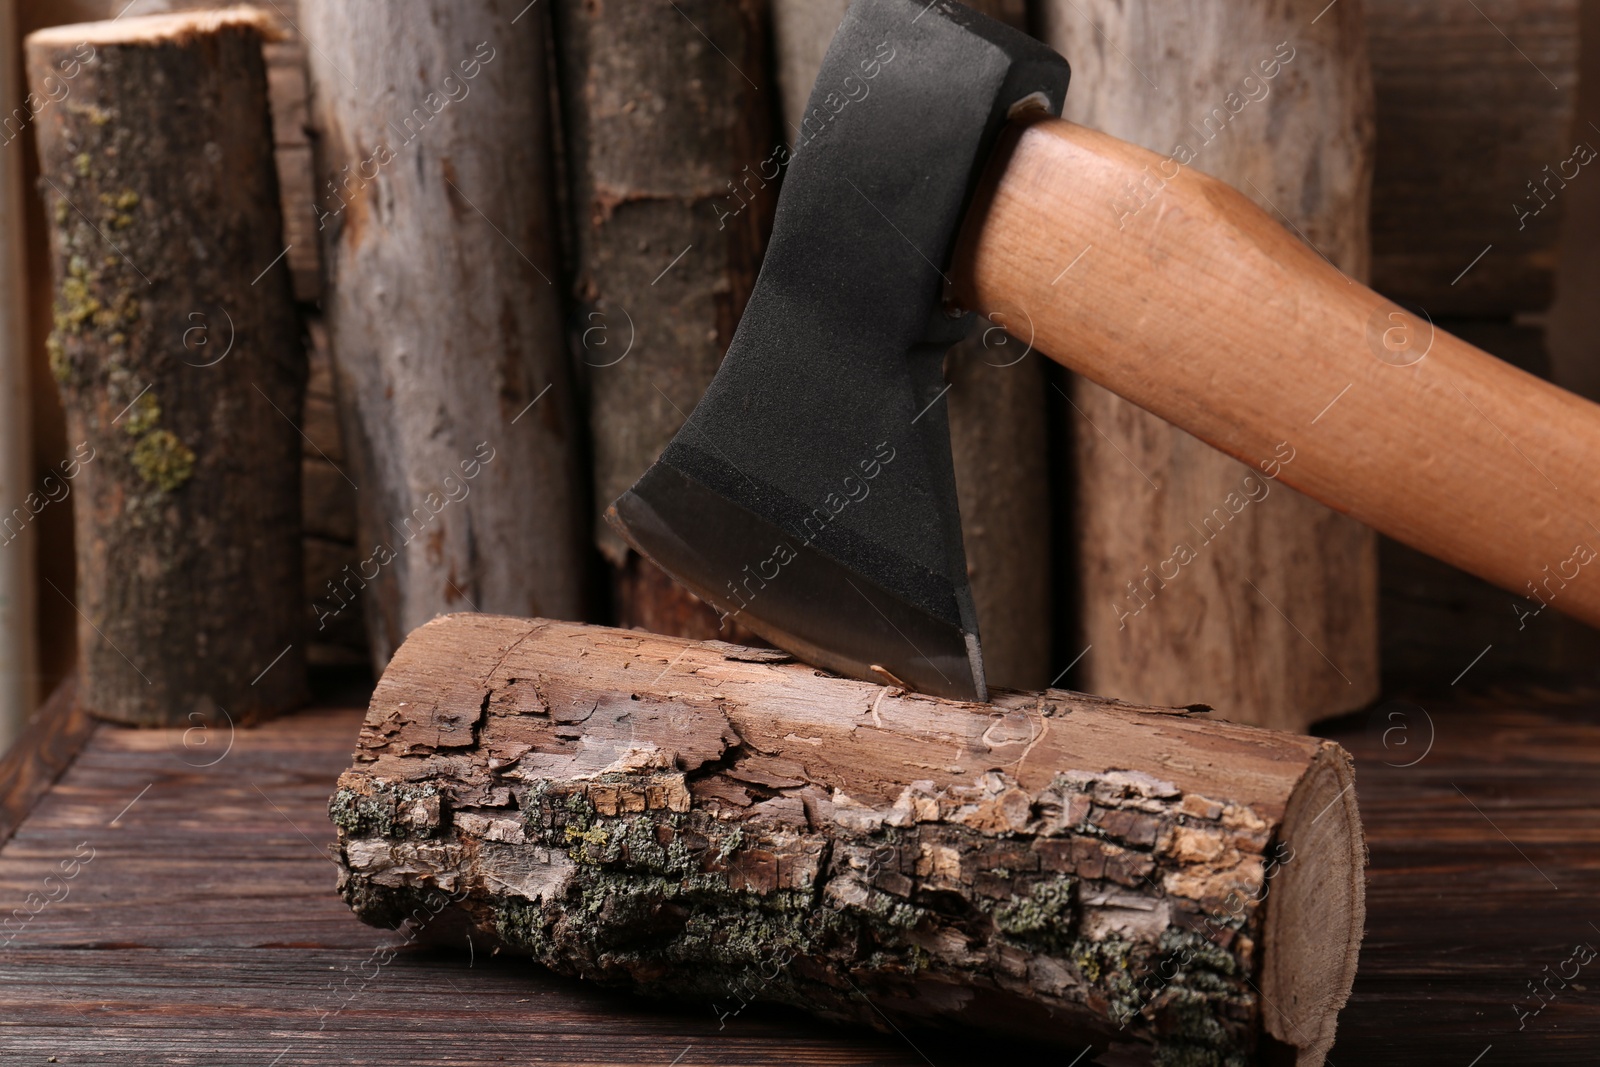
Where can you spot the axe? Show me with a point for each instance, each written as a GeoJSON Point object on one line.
{"type": "Point", "coordinates": [810, 494]}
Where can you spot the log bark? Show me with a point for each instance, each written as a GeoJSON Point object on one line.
{"type": "Point", "coordinates": [435, 184]}
{"type": "Point", "coordinates": [711, 821]}
{"type": "Point", "coordinates": [286, 87]}
{"type": "Point", "coordinates": [19, 669]}
{"type": "Point", "coordinates": [1475, 110]}
{"type": "Point", "coordinates": [667, 132]}
{"type": "Point", "coordinates": [997, 410]}
{"type": "Point", "coordinates": [1274, 621]}
{"type": "Point", "coordinates": [160, 182]}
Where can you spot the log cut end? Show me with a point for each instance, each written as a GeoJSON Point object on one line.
{"type": "Point", "coordinates": [708, 822]}
{"type": "Point", "coordinates": [1318, 911]}
{"type": "Point", "coordinates": [178, 28]}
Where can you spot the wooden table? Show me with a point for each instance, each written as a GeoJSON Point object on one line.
{"type": "Point", "coordinates": [206, 929]}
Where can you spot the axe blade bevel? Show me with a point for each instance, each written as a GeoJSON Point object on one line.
{"type": "Point", "coordinates": [810, 494]}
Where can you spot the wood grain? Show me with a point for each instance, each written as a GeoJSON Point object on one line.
{"type": "Point", "coordinates": [1248, 339]}
{"type": "Point", "coordinates": [208, 930]}
{"type": "Point", "coordinates": [1240, 626]}
{"type": "Point", "coordinates": [49, 741]}
{"type": "Point", "coordinates": [1474, 101]}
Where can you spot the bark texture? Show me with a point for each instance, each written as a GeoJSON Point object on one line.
{"type": "Point", "coordinates": [706, 820]}
{"type": "Point", "coordinates": [672, 188]}
{"type": "Point", "coordinates": [159, 180]}
{"type": "Point", "coordinates": [435, 191]}
{"type": "Point", "coordinates": [997, 412]}
{"type": "Point", "coordinates": [1197, 578]}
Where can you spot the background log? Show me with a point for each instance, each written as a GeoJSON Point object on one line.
{"type": "Point", "coordinates": [187, 475]}
{"type": "Point", "coordinates": [328, 500]}
{"type": "Point", "coordinates": [19, 669]}
{"type": "Point", "coordinates": [435, 190]}
{"type": "Point", "coordinates": [997, 409]}
{"type": "Point", "coordinates": [669, 136]}
{"type": "Point", "coordinates": [706, 820]}
{"type": "Point", "coordinates": [1275, 620]}
{"type": "Point", "coordinates": [1473, 102]}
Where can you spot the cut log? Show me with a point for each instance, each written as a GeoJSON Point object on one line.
{"type": "Point", "coordinates": [711, 821]}
{"type": "Point", "coordinates": [286, 88]}
{"type": "Point", "coordinates": [1269, 615]}
{"type": "Point", "coordinates": [672, 188]}
{"type": "Point", "coordinates": [432, 129]}
{"type": "Point", "coordinates": [997, 405]}
{"type": "Point", "coordinates": [160, 183]}
{"type": "Point", "coordinates": [19, 669]}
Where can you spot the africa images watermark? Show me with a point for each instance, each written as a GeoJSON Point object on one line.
{"type": "Point", "coordinates": [1138, 195]}
{"type": "Point", "coordinates": [813, 124]}
{"type": "Point", "coordinates": [52, 490]}
{"type": "Point", "coordinates": [856, 489]}
{"type": "Point", "coordinates": [454, 492]}
{"type": "Point", "coordinates": [452, 90]}
{"type": "Point", "coordinates": [56, 90]}
{"type": "Point", "coordinates": [1252, 489]}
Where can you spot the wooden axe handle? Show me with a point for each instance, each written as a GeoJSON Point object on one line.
{"type": "Point", "coordinates": [1172, 289]}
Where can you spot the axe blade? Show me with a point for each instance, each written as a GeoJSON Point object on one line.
{"type": "Point", "coordinates": [810, 495]}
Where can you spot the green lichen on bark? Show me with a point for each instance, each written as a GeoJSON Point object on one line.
{"type": "Point", "coordinates": [162, 460]}
{"type": "Point", "coordinates": [1043, 919]}
{"type": "Point", "coordinates": [665, 902]}
{"type": "Point", "coordinates": [383, 812]}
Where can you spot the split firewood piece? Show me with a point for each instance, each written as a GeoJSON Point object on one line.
{"type": "Point", "coordinates": [1167, 530]}
{"type": "Point", "coordinates": [435, 205]}
{"type": "Point", "coordinates": [673, 181]}
{"type": "Point", "coordinates": [178, 356]}
{"type": "Point", "coordinates": [715, 822]}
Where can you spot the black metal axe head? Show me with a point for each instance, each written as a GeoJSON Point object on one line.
{"type": "Point", "coordinates": [810, 495]}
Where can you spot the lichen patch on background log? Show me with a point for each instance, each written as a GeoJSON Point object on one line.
{"type": "Point", "coordinates": [656, 814]}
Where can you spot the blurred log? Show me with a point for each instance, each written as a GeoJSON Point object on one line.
{"type": "Point", "coordinates": [997, 411]}
{"type": "Point", "coordinates": [19, 669]}
{"type": "Point", "coordinates": [188, 473]}
{"type": "Point", "coordinates": [1474, 123]}
{"type": "Point", "coordinates": [711, 821]}
{"type": "Point", "coordinates": [667, 131]}
{"type": "Point", "coordinates": [432, 129]}
{"type": "Point", "coordinates": [286, 86]}
{"type": "Point", "coordinates": [1273, 618]}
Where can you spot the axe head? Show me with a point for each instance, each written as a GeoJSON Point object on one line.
{"type": "Point", "coordinates": [810, 495]}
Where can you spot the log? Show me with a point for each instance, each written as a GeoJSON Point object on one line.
{"type": "Point", "coordinates": [432, 133]}
{"type": "Point", "coordinates": [19, 669]}
{"type": "Point", "coordinates": [1274, 620]}
{"type": "Point", "coordinates": [1475, 148]}
{"type": "Point", "coordinates": [997, 411]}
{"type": "Point", "coordinates": [286, 87]}
{"type": "Point", "coordinates": [672, 186]}
{"type": "Point", "coordinates": [187, 473]}
{"type": "Point", "coordinates": [702, 820]}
